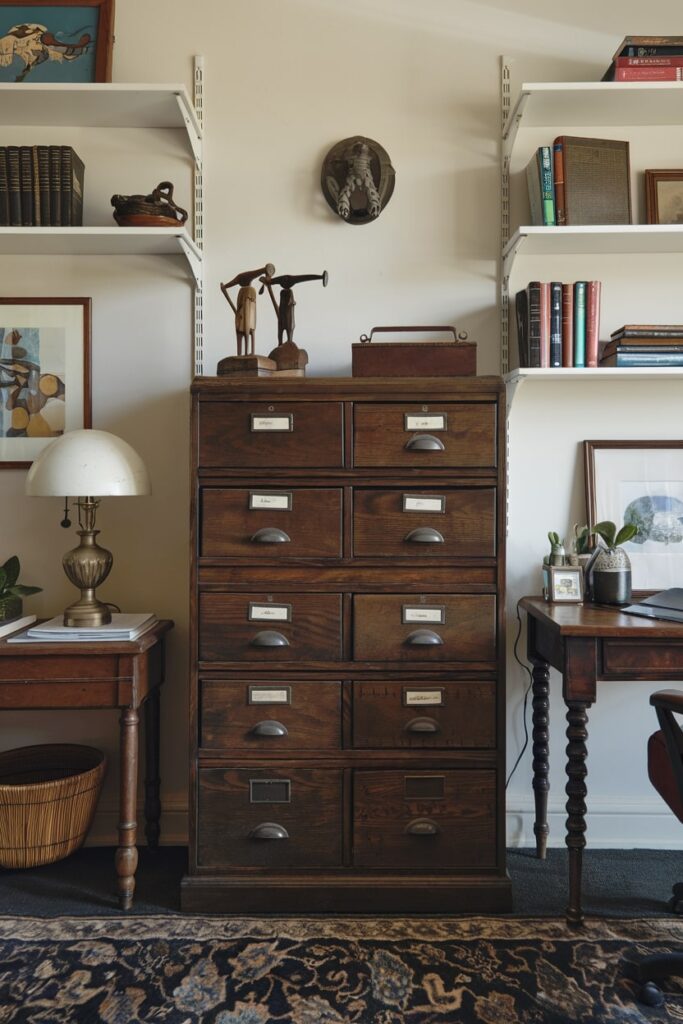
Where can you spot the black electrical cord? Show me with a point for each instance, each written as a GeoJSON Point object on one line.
{"type": "Point", "coordinates": [526, 699]}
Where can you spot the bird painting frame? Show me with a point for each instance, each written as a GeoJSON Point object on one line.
{"type": "Point", "coordinates": [56, 41]}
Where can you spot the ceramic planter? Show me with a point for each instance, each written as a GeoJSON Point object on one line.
{"type": "Point", "coordinates": [611, 577]}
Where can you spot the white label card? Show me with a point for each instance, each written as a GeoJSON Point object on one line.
{"type": "Point", "coordinates": [273, 423]}
{"type": "Point", "coordinates": [262, 695]}
{"type": "Point", "coordinates": [425, 698]}
{"type": "Point", "coordinates": [423, 503]}
{"type": "Point", "coordinates": [273, 501]}
{"type": "Point", "coordinates": [420, 421]}
{"type": "Point", "coordinates": [270, 612]}
{"type": "Point", "coordinates": [424, 613]}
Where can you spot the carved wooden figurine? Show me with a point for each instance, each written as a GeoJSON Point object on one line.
{"type": "Point", "coordinates": [290, 359]}
{"type": "Point", "coordinates": [245, 309]}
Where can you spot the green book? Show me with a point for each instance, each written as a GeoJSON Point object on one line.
{"type": "Point", "coordinates": [579, 323]}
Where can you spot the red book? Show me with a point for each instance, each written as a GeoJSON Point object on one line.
{"type": "Point", "coordinates": [653, 74]}
{"type": "Point", "coordinates": [670, 61]}
{"type": "Point", "coordinates": [593, 292]}
{"type": "Point", "coordinates": [558, 176]}
{"type": "Point", "coordinates": [567, 325]}
{"type": "Point", "coordinates": [545, 323]}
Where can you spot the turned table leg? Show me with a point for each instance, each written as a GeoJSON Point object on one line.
{"type": "Point", "coordinates": [540, 751]}
{"type": "Point", "coordinates": [127, 854]}
{"type": "Point", "coordinates": [577, 734]}
{"type": "Point", "coordinates": [152, 780]}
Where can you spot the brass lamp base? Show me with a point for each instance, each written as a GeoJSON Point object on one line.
{"type": "Point", "coordinates": [87, 566]}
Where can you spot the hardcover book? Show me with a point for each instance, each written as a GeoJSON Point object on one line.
{"type": "Point", "coordinates": [44, 183]}
{"type": "Point", "coordinates": [558, 176]}
{"type": "Point", "coordinates": [534, 323]}
{"type": "Point", "coordinates": [597, 186]}
{"type": "Point", "coordinates": [55, 160]}
{"type": "Point", "coordinates": [539, 174]}
{"type": "Point", "coordinates": [544, 323]}
{"type": "Point", "coordinates": [26, 172]}
{"type": "Point", "coordinates": [644, 46]}
{"type": "Point", "coordinates": [14, 179]}
{"type": "Point", "coordinates": [72, 172]}
{"type": "Point", "coordinates": [556, 323]}
{"type": "Point", "coordinates": [580, 323]}
{"type": "Point", "coordinates": [4, 189]}
{"type": "Point", "coordinates": [593, 295]}
{"type": "Point", "coordinates": [521, 317]}
{"type": "Point", "coordinates": [567, 325]}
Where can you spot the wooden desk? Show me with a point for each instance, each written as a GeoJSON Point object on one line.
{"type": "Point", "coordinates": [587, 644]}
{"type": "Point", "coordinates": [77, 676]}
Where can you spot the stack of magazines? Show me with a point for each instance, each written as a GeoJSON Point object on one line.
{"type": "Point", "coordinates": [122, 627]}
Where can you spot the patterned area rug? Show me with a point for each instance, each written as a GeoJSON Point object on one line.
{"type": "Point", "coordinates": [185, 970]}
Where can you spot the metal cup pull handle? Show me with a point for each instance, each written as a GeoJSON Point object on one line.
{"type": "Point", "coordinates": [424, 443]}
{"type": "Point", "coordinates": [270, 727]}
{"type": "Point", "coordinates": [424, 535]}
{"type": "Point", "coordinates": [270, 535]}
{"type": "Point", "coordinates": [422, 725]}
{"type": "Point", "coordinates": [269, 638]}
{"type": "Point", "coordinates": [421, 637]}
{"type": "Point", "coordinates": [422, 827]}
{"type": "Point", "coordinates": [269, 830]}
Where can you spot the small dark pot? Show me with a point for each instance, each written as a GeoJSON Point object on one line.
{"type": "Point", "coordinates": [611, 577]}
{"type": "Point", "coordinates": [10, 608]}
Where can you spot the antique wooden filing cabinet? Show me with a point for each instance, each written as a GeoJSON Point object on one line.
{"type": "Point", "coordinates": [347, 704]}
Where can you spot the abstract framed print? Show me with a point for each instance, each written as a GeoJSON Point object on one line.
{"type": "Point", "coordinates": [44, 374]}
{"type": "Point", "coordinates": [56, 41]}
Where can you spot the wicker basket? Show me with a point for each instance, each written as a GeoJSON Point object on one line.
{"type": "Point", "coordinates": [48, 796]}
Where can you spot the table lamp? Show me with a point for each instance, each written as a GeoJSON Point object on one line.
{"type": "Point", "coordinates": [87, 465]}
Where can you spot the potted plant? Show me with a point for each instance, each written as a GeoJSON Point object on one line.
{"type": "Point", "coordinates": [611, 568]}
{"type": "Point", "coordinates": [11, 592]}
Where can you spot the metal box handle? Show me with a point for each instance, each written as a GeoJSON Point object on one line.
{"type": "Point", "coordinates": [424, 443]}
{"type": "Point", "coordinates": [270, 535]}
{"type": "Point", "coordinates": [422, 827]}
{"type": "Point", "coordinates": [269, 830]}
{"type": "Point", "coordinates": [424, 535]}
{"type": "Point", "coordinates": [423, 636]}
{"type": "Point", "coordinates": [270, 727]}
{"type": "Point", "coordinates": [422, 725]}
{"type": "Point", "coordinates": [269, 638]}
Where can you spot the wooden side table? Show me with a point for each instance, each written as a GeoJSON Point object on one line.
{"type": "Point", "coordinates": [104, 674]}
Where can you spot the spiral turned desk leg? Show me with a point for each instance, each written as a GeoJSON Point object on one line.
{"type": "Point", "coordinates": [577, 734]}
{"type": "Point", "coordinates": [540, 751]}
{"type": "Point", "coordinates": [126, 859]}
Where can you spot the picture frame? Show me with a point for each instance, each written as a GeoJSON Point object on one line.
{"type": "Point", "coordinates": [664, 196]}
{"type": "Point", "coordinates": [640, 482]}
{"type": "Point", "coordinates": [563, 584]}
{"type": "Point", "coordinates": [56, 41]}
{"type": "Point", "coordinates": [45, 374]}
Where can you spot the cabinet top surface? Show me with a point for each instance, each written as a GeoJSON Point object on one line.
{"type": "Point", "coordinates": [416, 388]}
{"type": "Point", "coordinates": [598, 621]}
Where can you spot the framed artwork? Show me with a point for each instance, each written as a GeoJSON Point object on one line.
{"type": "Point", "coordinates": [44, 374]}
{"type": "Point", "coordinates": [664, 197]}
{"type": "Point", "coordinates": [640, 482]}
{"type": "Point", "coordinates": [56, 40]}
{"type": "Point", "coordinates": [563, 584]}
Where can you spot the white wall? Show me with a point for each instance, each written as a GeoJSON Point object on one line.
{"type": "Point", "coordinates": [285, 80]}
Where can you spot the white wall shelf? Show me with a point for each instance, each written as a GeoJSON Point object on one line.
{"type": "Point", "coordinates": [608, 375]}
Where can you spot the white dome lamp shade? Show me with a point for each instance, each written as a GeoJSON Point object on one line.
{"type": "Point", "coordinates": [87, 465]}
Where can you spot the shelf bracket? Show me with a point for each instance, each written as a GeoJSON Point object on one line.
{"type": "Point", "coordinates": [192, 127]}
{"type": "Point", "coordinates": [194, 261]}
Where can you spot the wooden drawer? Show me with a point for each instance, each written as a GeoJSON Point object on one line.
{"type": "Point", "coordinates": [269, 818]}
{"type": "Point", "coordinates": [271, 523]}
{"type": "Point", "coordinates": [270, 717]}
{"type": "Point", "coordinates": [424, 820]}
{"type": "Point", "coordinates": [273, 628]}
{"type": "Point", "coordinates": [441, 523]}
{"type": "Point", "coordinates": [453, 715]}
{"type": "Point", "coordinates": [406, 627]}
{"type": "Point", "coordinates": [246, 434]}
{"type": "Point", "coordinates": [461, 434]}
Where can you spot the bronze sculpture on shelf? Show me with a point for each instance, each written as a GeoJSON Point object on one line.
{"type": "Point", "coordinates": [244, 308]}
{"type": "Point", "coordinates": [157, 210]}
{"type": "Point", "coordinates": [289, 358]}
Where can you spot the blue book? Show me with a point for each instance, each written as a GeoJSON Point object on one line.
{"type": "Point", "coordinates": [545, 159]}
{"type": "Point", "coordinates": [579, 323]}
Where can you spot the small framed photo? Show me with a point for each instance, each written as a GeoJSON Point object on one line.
{"type": "Point", "coordinates": [54, 41]}
{"type": "Point", "coordinates": [563, 584]}
{"type": "Point", "coordinates": [44, 374]}
{"type": "Point", "coordinates": [664, 197]}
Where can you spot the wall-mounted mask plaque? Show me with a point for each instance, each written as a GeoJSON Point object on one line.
{"type": "Point", "coordinates": [357, 179]}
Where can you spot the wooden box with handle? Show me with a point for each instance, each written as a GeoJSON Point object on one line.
{"type": "Point", "coordinates": [415, 358]}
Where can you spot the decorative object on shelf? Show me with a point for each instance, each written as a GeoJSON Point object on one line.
{"type": "Point", "coordinates": [87, 465]}
{"type": "Point", "coordinates": [664, 196]}
{"type": "Point", "coordinates": [557, 552]}
{"type": "Point", "coordinates": [357, 179]}
{"type": "Point", "coordinates": [44, 374]}
{"type": "Point", "coordinates": [50, 41]}
{"type": "Point", "coordinates": [610, 571]}
{"type": "Point", "coordinates": [563, 584]}
{"type": "Point", "coordinates": [246, 362]}
{"type": "Point", "coordinates": [289, 359]}
{"type": "Point", "coordinates": [12, 592]}
{"type": "Point", "coordinates": [456, 358]}
{"type": "Point", "coordinates": [157, 210]}
{"type": "Point", "coordinates": [640, 482]}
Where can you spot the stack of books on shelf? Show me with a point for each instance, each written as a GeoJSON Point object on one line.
{"type": "Point", "coordinates": [580, 181]}
{"type": "Point", "coordinates": [647, 59]}
{"type": "Point", "coordinates": [645, 345]}
{"type": "Point", "coordinates": [558, 324]}
{"type": "Point", "coordinates": [40, 186]}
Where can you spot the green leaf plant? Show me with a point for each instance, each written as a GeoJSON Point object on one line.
{"type": "Point", "coordinates": [607, 531]}
{"type": "Point", "coordinates": [9, 574]}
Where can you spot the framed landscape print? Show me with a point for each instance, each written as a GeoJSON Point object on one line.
{"type": "Point", "coordinates": [44, 374]}
{"type": "Point", "coordinates": [56, 40]}
{"type": "Point", "coordinates": [641, 482]}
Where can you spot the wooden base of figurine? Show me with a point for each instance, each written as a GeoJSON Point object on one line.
{"type": "Point", "coordinates": [246, 366]}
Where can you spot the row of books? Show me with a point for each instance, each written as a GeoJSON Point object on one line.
{"type": "Point", "coordinates": [558, 324]}
{"type": "Point", "coordinates": [644, 345]}
{"type": "Point", "coordinates": [580, 181]}
{"type": "Point", "coordinates": [647, 59]}
{"type": "Point", "coordinates": [41, 186]}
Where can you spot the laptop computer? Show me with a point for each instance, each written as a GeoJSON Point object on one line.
{"type": "Point", "coordinates": [667, 604]}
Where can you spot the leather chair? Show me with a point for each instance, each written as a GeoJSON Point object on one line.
{"type": "Point", "coordinates": [665, 769]}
